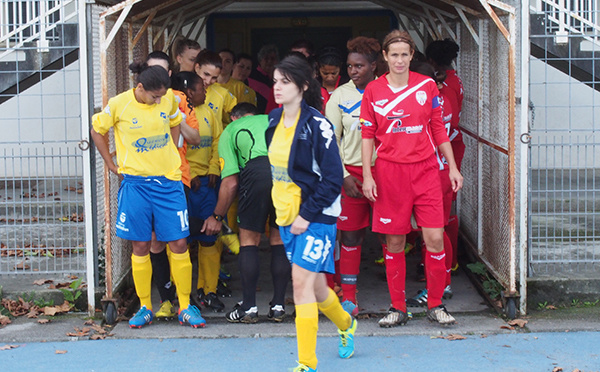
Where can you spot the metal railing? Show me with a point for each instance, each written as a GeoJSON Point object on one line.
{"type": "Point", "coordinates": [571, 17]}
{"type": "Point", "coordinates": [23, 22]}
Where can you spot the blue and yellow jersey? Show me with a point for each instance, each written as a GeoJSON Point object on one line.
{"type": "Point", "coordinates": [142, 134]}
{"type": "Point", "coordinates": [221, 102]}
{"type": "Point", "coordinates": [240, 91]}
{"type": "Point", "coordinates": [204, 158]}
{"type": "Point", "coordinates": [286, 195]}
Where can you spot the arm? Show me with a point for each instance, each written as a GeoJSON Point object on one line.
{"type": "Point", "coordinates": [101, 143]}
{"type": "Point", "coordinates": [227, 193]}
{"type": "Point", "coordinates": [369, 186]}
{"type": "Point", "coordinates": [175, 135]}
{"type": "Point", "coordinates": [455, 177]}
{"type": "Point", "coordinates": [191, 135]}
{"type": "Point", "coordinates": [214, 170]}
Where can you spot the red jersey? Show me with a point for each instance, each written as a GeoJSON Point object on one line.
{"type": "Point", "coordinates": [447, 116]}
{"type": "Point", "coordinates": [453, 90]}
{"type": "Point", "coordinates": [406, 123]}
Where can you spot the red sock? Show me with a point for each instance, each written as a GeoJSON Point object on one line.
{"type": "Point", "coordinates": [449, 256]}
{"type": "Point", "coordinates": [349, 269]}
{"type": "Point", "coordinates": [435, 270]}
{"type": "Point", "coordinates": [395, 269]}
{"type": "Point", "coordinates": [452, 231]}
{"type": "Point", "coordinates": [330, 282]}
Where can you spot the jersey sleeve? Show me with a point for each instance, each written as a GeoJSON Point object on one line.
{"type": "Point", "coordinates": [105, 119]}
{"type": "Point", "coordinates": [368, 120]}
{"type": "Point", "coordinates": [213, 164]}
{"type": "Point", "coordinates": [438, 130]}
{"type": "Point", "coordinates": [229, 102]}
{"type": "Point", "coordinates": [227, 158]}
{"type": "Point", "coordinates": [334, 114]}
{"type": "Point", "coordinates": [175, 116]}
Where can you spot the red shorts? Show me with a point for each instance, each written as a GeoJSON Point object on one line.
{"type": "Point", "coordinates": [447, 193]}
{"type": "Point", "coordinates": [356, 212]}
{"type": "Point", "coordinates": [404, 188]}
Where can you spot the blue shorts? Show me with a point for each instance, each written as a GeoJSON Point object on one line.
{"type": "Point", "coordinates": [313, 249]}
{"type": "Point", "coordinates": [151, 203]}
{"type": "Point", "coordinates": [201, 204]}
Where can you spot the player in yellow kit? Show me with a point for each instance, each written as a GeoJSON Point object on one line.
{"type": "Point", "coordinates": [241, 91]}
{"type": "Point", "coordinates": [145, 120]}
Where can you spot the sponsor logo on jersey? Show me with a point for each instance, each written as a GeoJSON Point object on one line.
{"type": "Point", "coordinates": [163, 115]}
{"type": "Point", "coordinates": [280, 174]}
{"type": "Point", "coordinates": [385, 221]}
{"type": "Point", "coordinates": [382, 102]}
{"type": "Point", "coordinates": [421, 97]}
{"type": "Point", "coordinates": [151, 143]}
{"type": "Point", "coordinates": [205, 141]}
{"type": "Point", "coordinates": [343, 218]}
{"type": "Point", "coordinates": [135, 122]}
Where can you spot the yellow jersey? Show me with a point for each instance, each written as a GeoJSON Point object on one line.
{"type": "Point", "coordinates": [286, 195]}
{"type": "Point", "coordinates": [142, 134]}
{"type": "Point", "coordinates": [240, 91]}
{"type": "Point", "coordinates": [204, 158]}
{"type": "Point", "coordinates": [221, 102]}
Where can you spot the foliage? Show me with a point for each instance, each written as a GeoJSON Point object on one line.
{"type": "Point", "coordinates": [490, 284]}
{"type": "Point", "coordinates": [71, 295]}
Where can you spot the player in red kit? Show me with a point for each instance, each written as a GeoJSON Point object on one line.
{"type": "Point", "coordinates": [401, 116]}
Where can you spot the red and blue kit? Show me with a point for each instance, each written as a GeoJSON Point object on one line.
{"type": "Point", "coordinates": [406, 124]}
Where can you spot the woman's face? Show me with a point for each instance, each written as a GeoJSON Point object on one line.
{"type": "Point", "coordinates": [149, 97]}
{"type": "Point", "coordinates": [285, 90]}
{"type": "Point", "coordinates": [208, 74]}
{"type": "Point", "coordinates": [398, 57]}
{"type": "Point", "coordinates": [268, 63]}
{"type": "Point", "coordinates": [242, 69]}
{"type": "Point", "coordinates": [187, 59]}
{"type": "Point", "coordinates": [227, 62]}
{"type": "Point", "coordinates": [197, 95]}
{"type": "Point", "coordinates": [360, 70]}
{"type": "Point", "coordinates": [329, 74]}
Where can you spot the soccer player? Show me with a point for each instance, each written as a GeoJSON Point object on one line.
{"type": "Point", "coordinates": [401, 115]}
{"type": "Point", "coordinates": [184, 53]}
{"type": "Point", "coordinates": [240, 91]}
{"type": "Point", "coordinates": [330, 62]}
{"type": "Point", "coordinates": [245, 166]}
{"type": "Point", "coordinates": [343, 111]}
{"type": "Point", "coordinates": [145, 121]}
{"type": "Point", "coordinates": [307, 179]}
{"type": "Point", "coordinates": [242, 68]}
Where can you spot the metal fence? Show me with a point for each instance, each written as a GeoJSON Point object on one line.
{"type": "Point", "coordinates": [42, 227]}
{"type": "Point", "coordinates": [564, 177]}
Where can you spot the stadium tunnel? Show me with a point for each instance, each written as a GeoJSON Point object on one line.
{"type": "Point", "coordinates": [492, 63]}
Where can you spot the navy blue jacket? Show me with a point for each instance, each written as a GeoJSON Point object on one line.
{"type": "Point", "coordinates": [314, 165]}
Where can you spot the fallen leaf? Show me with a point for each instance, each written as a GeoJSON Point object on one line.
{"type": "Point", "coordinates": [557, 369]}
{"type": "Point", "coordinates": [22, 266]}
{"type": "Point", "coordinates": [50, 310]}
{"type": "Point", "coordinates": [551, 307]}
{"type": "Point", "coordinates": [8, 347]}
{"type": "Point", "coordinates": [506, 346]}
{"type": "Point", "coordinates": [576, 370]}
{"type": "Point", "coordinates": [89, 322]}
{"type": "Point", "coordinates": [42, 281]}
{"type": "Point", "coordinates": [65, 307]}
{"type": "Point", "coordinates": [60, 352]}
{"type": "Point", "coordinates": [518, 322]}
{"type": "Point", "coordinates": [507, 327]}
{"type": "Point", "coordinates": [483, 335]}
{"type": "Point", "coordinates": [43, 321]}
{"type": "Point", "coordinates": [97, 336]}
{"type": "Point", "coordinates": [4, 320]}
{"type": "Point", "coordinates": [33, 313]}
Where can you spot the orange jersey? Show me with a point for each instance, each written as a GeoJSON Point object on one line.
{"type": "Point", "coordinates": [190, 119]}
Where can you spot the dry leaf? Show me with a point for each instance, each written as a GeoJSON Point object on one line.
{"type": "Point", "coordinates": [483, 335]}
{"type": "Point", "coordinates": [551, 307]}
{"type": "Point", "coordinates": [43, 321]}
{"type": "Point", "coordinates": [89, 322]}
{"type": "Point", "coordinates": [518, 322]}
{"type": "Point", "coordinates": [65, 307]}
{"type": "Point", "coordinates": [8, 347]}
{"type": "Point", "coordinates": [557, 369]}
{"type": "Point", "coordinates": [50, 310]}
{"type": "Point", "coordinates": [507, 327]}
{"type": "Point", "coordinates": [33, 313]}
{"type": "Point", "coordinates": [4, 320]}
{"type": "Point", "coordinates": [42, 281]}
{"type": "Point", "coordinates": [22, 266]}
{"type": "Point", "coordinates": [454, 337]}
{"type": "Point", "coordinates": [97, 337]}
{"type": "Point", "coordinates": [60, 352]}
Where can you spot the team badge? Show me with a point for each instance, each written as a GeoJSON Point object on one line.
{"type": "Point", "coordinates": [421, 97]}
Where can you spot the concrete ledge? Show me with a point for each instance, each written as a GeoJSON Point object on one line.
{"type": "Point", "coordinates": [559, 291]}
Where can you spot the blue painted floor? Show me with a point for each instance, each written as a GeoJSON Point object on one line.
{"type": "Point", "coordinates": [507, 352]}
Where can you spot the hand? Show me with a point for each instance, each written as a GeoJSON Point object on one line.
{"type": "Point", "coordinates": [299, 225]}
{"type": "Point", "coordinates": [456, 179]}
{"type": "Point", "coordinates": [115, 170]}
{"type": "Point", "coordinates": [195, 183]}
{"type": "Point", "coordinates": [351, 186]}
{"type": "Point", "coordinates": [212, 180]}
{"type": "Point", "coordinates": [369, 189]}
{"type": "Point", "coordinates": [211, 226]}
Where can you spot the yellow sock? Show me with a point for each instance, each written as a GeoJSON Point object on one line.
{"type": "Point", "coordinates": [200, 283]}
{"type": "Point", "coordinates": [141, 268]}
{"type": "Point", "coordinates": [181, 270]}
{"type": "Point", "coordinates": [332, 309]}
{"type": "Point", "coordinates": [210, 262]}
{"type": "Point", "coordinates": [307, 325]}
{"type": "Point", "coordinates": [231, 241]}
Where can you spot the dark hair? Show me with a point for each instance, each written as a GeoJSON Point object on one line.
{"type": "Point", "coordinates": [330, 56]}
{"type": "Point", "coordinates": [184, 80]}
{"type": "Point", "coordinates": [266, 50]}
{"type": "Point", "coordinates": [182, 43]}
{"type": "Point", "coordinates": [303, 43]}
{"type": "Point", "coordinates": [230, 52]}
{"type": "Point", "coordinates": [208, 57]}
{"type": "Point", "coordinates": [151, 77]}
{"type": "Point", "coordinates": [423, 68]}
{"type": "Point", "coordinates": [367, 46]}
{"type": "Point", "coordinates": [397, 36]}
{"type": "Point", "coordinates": [242, 109]}
{"type": "Point", "coordinates": [299, 71]}
{"type": "Point", "coordinates": [442, 52]}
{"type": "Point", "coordinates": [243, 56]}
{"type": "Point", "coordinates": [158, 54]}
